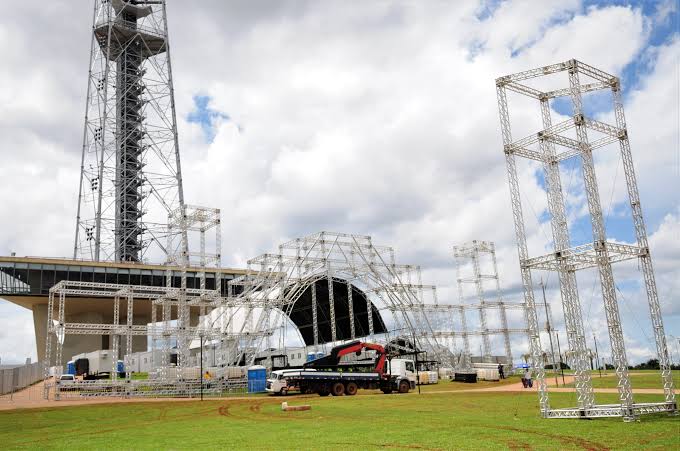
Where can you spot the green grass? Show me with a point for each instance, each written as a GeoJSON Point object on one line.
{"type": "Point", "coordinates": [445, 385]}
{"type": "Point", "coordinates": [638, 379]}
{"type": "Point", "coordinates": [427, 421]}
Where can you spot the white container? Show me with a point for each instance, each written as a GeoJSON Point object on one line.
{"type": "Point", "coordinates": [433, 376]}
{"type": "Point", "coordinates": [445, 373]}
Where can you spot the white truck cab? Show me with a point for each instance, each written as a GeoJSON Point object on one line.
{"type": "Point", "coordinates": [277, 384]}
{"type": "Point", "coordinates": [402, 368]}
{"type": "Point", "coordinates": [67, 379]}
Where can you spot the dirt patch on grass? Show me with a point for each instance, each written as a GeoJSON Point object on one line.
{"type": "Point", "coordinates": [583, 443]}
{"type": "Point", "coordinates": [515, 445]}
{"type": "Point", "coordinates": [389, 446]}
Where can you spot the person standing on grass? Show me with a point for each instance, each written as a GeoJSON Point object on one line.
{"type": "Point", "coordinates": [501, 374]}
{"type": "Point", "coordinates": [527, 377]}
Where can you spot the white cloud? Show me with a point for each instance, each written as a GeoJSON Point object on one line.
{"type": "Point", "coordinates": [374, 120]}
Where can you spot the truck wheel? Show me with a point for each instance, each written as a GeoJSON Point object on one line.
{"type": "Point", "coordinates": [283, 392]}
{"type": "Point", "coordinates": [324, 392]}
{"type": "Point", "coordinates": [351, 389]}
{"type": "Point", "coordinates": [387, 391]}
{"type": "Point", "coordinates": [338, 389]}
{"type": "Point", "coordinates": [404, 387]}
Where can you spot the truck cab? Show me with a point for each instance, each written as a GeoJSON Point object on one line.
{"type": "Point", "coordinates": [402, 369]}
{"type": "Point", "coordinates": [277, 383]}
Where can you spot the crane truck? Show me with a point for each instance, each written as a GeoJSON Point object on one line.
{"type": "Point", "coordinates": [330, 375]}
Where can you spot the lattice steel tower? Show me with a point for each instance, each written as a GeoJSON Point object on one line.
{"type": "Point", "coordinates": [130, 178]}
{"type": "Point", "coordinates": [472, 253]}
{"type": "Point", "coordinates": [577, 138]}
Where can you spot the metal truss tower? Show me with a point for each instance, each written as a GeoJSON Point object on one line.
{"type": "Point", "coordinates": [130, 179]}
{"type": "Point", "coordinates": [471, 253]}
{"type": "Point", "coordinates": [577, 137]}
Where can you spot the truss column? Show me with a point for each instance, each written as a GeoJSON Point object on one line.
{"type": "Point", "coordinates": [463, 321]}
{"type": "Point", "coordinates": [504, 318]}
{"type": "Point", "coordinates": [61, 330]}
{"type": "Point", "coordinates": [350, 306]}
{"type": "Point", "coordinates": [518, 219]}
{"type": "Point", "coordinates": [128, 332]}
{"type": "Point", "coordinates": [369, 304]}
{"type": "Point", "coordinates": [467, 363]}
{"type": "Point", "coordinates": [331, 302]}
{"type": "Point", "coordinates": [154, 321]}
{"type": "Point", "coordinates": [315, 318]}
{"type": "Point", "coordinates": [183, 317]}
{"type": "Point", "coordinates": [645, 258]}
{"type": "Point", "coordinates": [573, 316]}
{"type": "Point", "coordinates": [114, 338]}
{"type": "Point", "coordinates": [50, 332]}
{"type": "Point", "coordinates": [166, 312]}
{"type": "Point", "coordinates": [599, 237]}
{"type": "Point", "coordinates": [482, 309]}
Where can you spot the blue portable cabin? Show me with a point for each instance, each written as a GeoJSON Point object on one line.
{"type": "Point", "coordinates": [257, 379]}
{"type": "Point", "coordinates": [311, 356]}
{"type": "Point", "coordinates": [71, 367]}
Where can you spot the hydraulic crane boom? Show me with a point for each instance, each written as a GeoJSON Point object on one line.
{"type": "Point", "coordinates": [332, 361]}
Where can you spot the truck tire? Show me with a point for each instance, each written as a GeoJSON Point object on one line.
{"type": "Point", "coordinates": [283, 392]}
{"type": "Point", "coordinates": [324, 392]}
{"type": "Point", "coordinates": [351, 389]}
{"type": "Point", "coordinates": [338, 389]}
{"type": "Point", "coordinates": [404, 387]}
{"type": "Point", "coordinates": [386, 390]}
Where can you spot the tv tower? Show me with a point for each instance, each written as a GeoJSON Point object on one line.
{"type": "Point", "coordinates": [130, 179]}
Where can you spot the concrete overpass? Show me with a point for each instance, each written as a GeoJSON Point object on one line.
{"type": "Point", "coordinates": [26, 281]}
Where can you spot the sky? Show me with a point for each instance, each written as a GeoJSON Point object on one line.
{"type": "Point", "coordinates": [377, 119]}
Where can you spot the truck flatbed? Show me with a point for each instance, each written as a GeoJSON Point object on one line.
{"type": "Point", "coordinates": [333, 375]}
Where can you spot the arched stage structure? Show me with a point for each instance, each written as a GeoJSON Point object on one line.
{"type": "Point", "coordinates": [372, 297]}
{"type": "Point", "coordinates": [347, 326]}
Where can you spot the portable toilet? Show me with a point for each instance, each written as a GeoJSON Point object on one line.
{"type": "Point", "coordinates": [319, 355]}
{"type": "Point", "coordinates": [71, 367]}
{"type": "Point", "coordinates": [120, 367]}
{"type": "Point", "coordinates": [311, 356]}
{"type": "Point", "coordinates": [257, 379]}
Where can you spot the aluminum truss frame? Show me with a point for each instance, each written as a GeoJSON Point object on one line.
{"type": "Point", "coordinates": [566, 260]}
{"type": "Point", "coordinates": [449, 322]}
{"type": "Point", "coordinates": [130, 174]}
{"type": "Point", "coordinates": [275, 281]}
{"type": "Point", "coordinates": [472, 253]}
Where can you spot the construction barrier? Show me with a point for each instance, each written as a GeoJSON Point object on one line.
{"type": "Point", "coordinates": [13, 379]}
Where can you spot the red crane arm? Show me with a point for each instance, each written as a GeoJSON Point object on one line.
{"type": "Point", "coordinates": [357, 347]}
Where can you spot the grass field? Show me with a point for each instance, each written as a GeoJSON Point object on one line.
{"type": "Point", "coordinates": [445, 385]}
{"type": "Point", "coordinates": [638, 379]}
{"type": "Point", "coordinates": [426, 421]}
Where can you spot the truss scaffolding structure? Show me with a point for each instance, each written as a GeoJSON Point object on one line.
{"type": "Point", "coordinates": [130, 174]}
{"type": "Point", "coordinates": [256, 314]}
{"type": "Point", "coordinates": [394, 294]}
{"type": "Point", "coordinates": [576, 138]}
{"type": "Point", "coordinates": [469, 254]}
{"type": "Point", "coordinates": [449, 322]}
